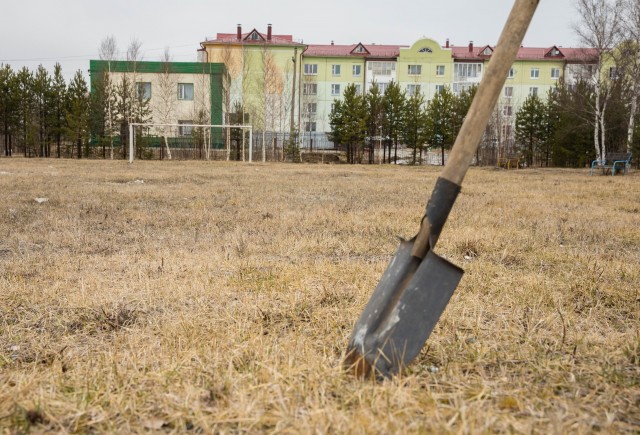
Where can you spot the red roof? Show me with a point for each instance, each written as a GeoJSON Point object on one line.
{"type": "Point", "coordinates": [233, 37]}
{"type": "Point", "coordinates": [529, 53]}
{"type": "Point", "coordinates": [373, 50]}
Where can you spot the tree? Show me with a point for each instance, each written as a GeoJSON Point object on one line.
{"type": "Point", "coordinates": [348, 120]}
{"type": "Point", "coordinates": [530, 126]}
{"type": "Point", "coordinates": [108, 51]}
{"type": "Point", "coordinates": [9, 113]}
{"type": "Point", "coordinates": [58, 103]}
{"type": "Point", "coordinates": [41, 88]}
{"type": "Point", "coordinates": [599, 27]}
{"type": "Point", "coordinates": [442, 117]}
{"type": "Point", "coordinates": [393, 104]}
{"type": "Point", "coordinates": [77, 115]}
{"type": "Point", "coordinates": [375, 107]}
{"type": "Point", "coordinates": [416, 124]}
{"type": "Point", "coordinates": [165, 97]}
{"type": "Point", "coordinates": [631, 53]}
{"type": "Point", "coordinates": [24, 95]}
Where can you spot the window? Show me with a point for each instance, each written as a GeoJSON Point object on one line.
{"type": "Point", "coordinates": [555, 73]}
{"type": "Point", "coordinates": [335, 70]}
{"type": "Point", "coordinates": [439, 70]}
{"type": "Point", "coordinates": [460, 87]}
{"type": "Point", "coordinates": [535, 73]}
{"type": "Point", "coordinates": [185, 91]}
{"type": "Point", "coordinates": [613, 73]}
{"type": "Point", "coordinates": [185, 131]}
{"type": "Point", "coordinates": [358, 88]}
{"type": "Point", "coordinates": [383, 87]}
{"type": "Point", "coordinates": [357, 70]}
{"type": "Point", "coordinates": [508, 91]}
{"type": "Point", "coordinates": [425, 50]}
{"type": "Point", "coordinates": [487, 51]}
{"type": "Point", "coordinates": [533, 90]}
{"type": "Point", "coordinates": [311, 69]}
{"type": "Point", "coordinates": [507, 110]}
{"type": "Point", "coordinates": [415, 70]}
{"type": "Point", "coordinates": [467, 70]}
{"type": "Point", "coordinates": [309, 126]}
{"type": "Point", "coordinates": [512, 73]}
{"type": "Point", "coordinates": [381, 68]}
{"type": "Point", "coordinates": [310, 89]}
{"type": "Point", "coordinates": [312, 108]}
{"type": "Point", "coordinates": [335, 89]}
{"type": "Point", "coordinates": [439, 88]}
{"type": "Point", "coordinates": [506, 131]}
{"type": "Point", "coordinates": [144, 90]}
{"type": "Point", "coordinates": [413, 90]}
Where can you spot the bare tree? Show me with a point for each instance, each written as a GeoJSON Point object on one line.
{"type": "Point", "coordinates": [599, 28]}
{"type": "Point", "coordinates": [631, 52]}
{"type": "Point", "coordinates": [108, 51]}
{"type": "Point", "coordinates": [165, 97]}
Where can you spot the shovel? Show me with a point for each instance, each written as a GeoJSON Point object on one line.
{"type": "Point", "coordinates": [418, 283]}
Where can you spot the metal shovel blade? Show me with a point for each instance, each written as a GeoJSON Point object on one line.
{"type": "Point", "coordinates": [402, 312]}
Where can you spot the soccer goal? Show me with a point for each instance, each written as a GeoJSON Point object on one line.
{"type": "Point", "coordinates": [182, 141]}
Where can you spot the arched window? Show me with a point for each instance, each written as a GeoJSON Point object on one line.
{"type": "Point", "coordinates": [425, 50]}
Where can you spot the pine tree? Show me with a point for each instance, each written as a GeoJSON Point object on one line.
{"type": "Point", "coordinates": [416, 122]}
{"type": "Point", "coordinates": [58, 104]}
{"type": "Point", "coordinates": [26, 118]}
{"type": "Point", "coordinates": [531, 127]}
{"type": "Point", "coordinates": [374, 100]}
{"type": "Point", "coordinates": [394, 102]}
{"type": "Point", "coordinates": [441, 128]}
{"type": "Point", "coordinates": [77, 114]}
{"type": "Point", "coordinates": [348, 120]}
{"type": "Point", "coordinates": [9, 113]}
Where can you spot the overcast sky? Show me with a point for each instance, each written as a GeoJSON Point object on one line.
{"type": "Point", "coordinates": [34, 32]}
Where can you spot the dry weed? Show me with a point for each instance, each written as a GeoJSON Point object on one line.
{"type": "Point", "coordinates": [219, 297]}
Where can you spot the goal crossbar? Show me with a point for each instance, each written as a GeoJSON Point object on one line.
{"type": "Point", "coordinates": [138, 124]}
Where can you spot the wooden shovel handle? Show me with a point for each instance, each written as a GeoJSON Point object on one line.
{"type": "Point", "coordinates": [489, 90]}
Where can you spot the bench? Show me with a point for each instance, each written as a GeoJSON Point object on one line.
{"type": "Point", "coordinates": [509, 162]}
{"type": "Point", "coordinates": [613, 162]}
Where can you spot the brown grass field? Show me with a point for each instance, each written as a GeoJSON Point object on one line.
{"type": "Point", "coordinates": [219, 298]}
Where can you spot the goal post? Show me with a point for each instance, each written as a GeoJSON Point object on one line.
{"type": "Point", "coordinates": [194, 141]}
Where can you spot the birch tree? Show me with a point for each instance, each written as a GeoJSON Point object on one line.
{"type": "Point", "coordinates": [108, 51]}
{"type": "Point", "coordinates": [599, 28]}
{"type": "Point", "coordinates": [631, 31]}
{"type": "Point", "coordinates": [165, 98]}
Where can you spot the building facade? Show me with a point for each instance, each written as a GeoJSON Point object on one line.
{"type": "Point", "coordinates": [283, 86]}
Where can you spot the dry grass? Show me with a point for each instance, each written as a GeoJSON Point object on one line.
{"type": "Point", "coordinates": [219, 298]}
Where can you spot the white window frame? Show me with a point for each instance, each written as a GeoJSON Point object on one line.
{"type": "Point", "coordinates": [440, 70]}
{"type": "Point", "coordinates": [310, 126]}
{"type": "Point", "coordinates": [413, 89]}
{"type": "Point", "coordinates": [185, 131]}
{"type": "Point", "coordinates": [310, 89]}
{"type": "Point", "coordinates": [512, 73]}
{"type": "Point", "coordinates": [335, 70]}
{"type": "Point", "coordinates": [356, 70]}
{"type": "Point", "coordinates": [414, 70]}
{"type": "Point", "coordinates": [439, 88]}
{"type": "Point", "coordinates": [507, 110]}
{"type": "Point", "coordinates": [535, 73]}
{"type": "Point", "coordinates": [555, 73]}
{"type": "Point", "coordinates": [183, 95]}
{"type": "Point", "coordinates": [508, 91]}
{"type": "Point", "coordinates": [335, 88]}
{"type": "Point", "coordinates": [144, 86]}
{"type": "Point", "coordinates": [533, 90]}
{"type": "Point", "coordinates": [310, 69]}
{"type": "Point", "coordinates": [312, 108]}
{"type": "Point", "coordinates": [358, 88]}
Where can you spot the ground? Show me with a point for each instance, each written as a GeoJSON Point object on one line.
{"type": "Point", "coordinates": [219, 297]}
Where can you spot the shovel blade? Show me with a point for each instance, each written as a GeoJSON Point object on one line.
{"type": "Point", "coordinates": [402, 312]}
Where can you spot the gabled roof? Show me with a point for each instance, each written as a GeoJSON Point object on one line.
{"type": "Point", "coordinates": [354, 50]}
{"type": "Point", "coordinates": [530, 53]}
{"type": "Point", "coordinates": [226, 38]}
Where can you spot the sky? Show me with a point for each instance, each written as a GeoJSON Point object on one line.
{"type": "Point", "coordinates": [34, 32]}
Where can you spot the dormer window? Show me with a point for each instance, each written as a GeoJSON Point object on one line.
{"type": "Point", "coordinates": [425, 50]}
{"type": "Point", "coordinates": [487, 51]}
{"type": "Point", "coordinates": [360, 49]}
{"type": "Point", "coordinates": [254, 36]}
